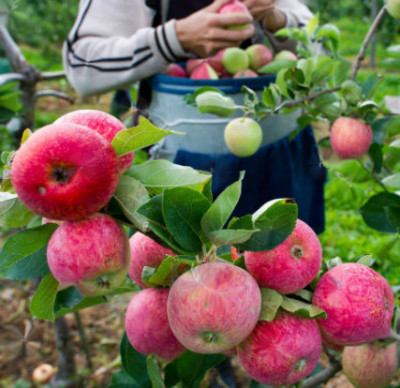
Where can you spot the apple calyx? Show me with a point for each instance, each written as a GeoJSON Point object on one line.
{"type": "Point", "coordinates": [301, 365]}
{"type": "Point", "coordinates": [63, 174]}
{"type": "Point", "coordinates": [296, 251]}
{"type": "Point", "coordinates": [209, 337]}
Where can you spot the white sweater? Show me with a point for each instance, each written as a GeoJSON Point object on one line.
{"type": "Point", "coordinates": [113, 45]}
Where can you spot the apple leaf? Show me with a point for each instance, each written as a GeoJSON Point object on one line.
{"type": "Point", "coordinates": [143, 135]}
{"type": "Point", "coordinates": [42, 303]}
{"type": "Point", "coordinates": [24, 253]}
{"type": "Point", "coordinates": [367, 260]}
{"type": "Point", "coordinates": [134, 363]}
{"type": "Point", "coordinates": [170, 268]}
{"type": "Point", "coordinates": [230, 236]}
{"type": "Point", "coordinates": [304, 294]}
{"type": "Point", "coordinates": [158, 175]}
{"type": "Point", "coordinates": [13, 213]}
{"type": "Point", "coordinates": [183, 209]}
{"type": "Point", "coordinates": [122, 379]}
{"type": "Point", "coordinates": [215, 103]}
{"type": "Point", "coordinates": [154, 372]}
{"type": "Point", "coordinates": [277, 65]}
{"type": "Point", "coordinates": [220, 211]}
{"type": "Point", "coordinates": [302, 309]}
{"type": "Point", "coordinates": [382, 212]}
{"type": "Point", "coordinates": [392, 181]}
{"type": "Point", "coordinates": [131, 194]}
{"type": "Point", "coordinates": [270, 303]}
{"type": "Point", "coordinates": [275, 220]}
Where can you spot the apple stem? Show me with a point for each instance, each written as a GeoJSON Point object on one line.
{"type": "Point", "coordinates": [394, 336]}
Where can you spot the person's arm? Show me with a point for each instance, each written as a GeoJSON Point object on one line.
{"type": "Point", "coordinates": [111, 44]}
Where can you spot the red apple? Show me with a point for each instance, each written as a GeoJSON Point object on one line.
{"type": "Point", "coordinates": [147, 327]}
{"type": "Point", "coordinates": [290, 266]}
{"type": "Point", "coordinates": [145, 252]}
{"type": "Point", "coordinates": [358, 303]}
{"type": "Point", "coordinates": [350, 138]}
{"type": "Point", "coordinates": [103, 123]}
{"type": "Point", "coordinates": [91, 254]}
{"type": "Point", "coordinates": [370, 365]}
{"type": "Point", "coordinates": [216, 61]}
{"type": "Point", "coordinates": [174, 70]}
{"type": "Point", "coordinates": [192, 64]}
{"type": "Point", "coordinates": [213, 307]}
{"type": "Point", "coordinates": [247, 73]}
{"type": "Point", "coordinates": [235, 7]}
{"type": "Point", "coordinates": [259, 56]}
{"type": "Point", "coordinates": [204, 71]}
{"type": "Point", "coordinates": [283, 351]}
{"type": "Point", "coordinates": [65, 171]}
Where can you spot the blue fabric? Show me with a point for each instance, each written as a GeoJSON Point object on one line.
{"type": "Point", "coordinates": [284, 169]}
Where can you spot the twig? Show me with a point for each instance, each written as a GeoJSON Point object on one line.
{"type": "Point", "coordinates": [367, 39]}
{"type": "Point", "coordinates": [11, 77]}
{"type": "Point", "coordinates": [311, 97]}
{"type": "Point", "coordinates": [54, 93]}
{"type": "Point", "coordinates": [322, 376]}
{"type": "Point", "coordinates": [372, 175]}
{"type": "Point", "coordinates": [52, 75]}
{"type": "Point", "coordinates": [84, 341]}
{"type": "Point", "coordinates": [12, 51]}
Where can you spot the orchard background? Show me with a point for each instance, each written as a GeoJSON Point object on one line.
{"type": "Point", "coordinates": [39, 29]}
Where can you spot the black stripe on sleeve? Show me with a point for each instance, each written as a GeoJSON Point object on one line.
{"type": "Point", "coordinates": [75, 35]}
{"type": "Point", "coordinates": [159, 46]}
{"type": "Point", "coordinates": [167, 43]}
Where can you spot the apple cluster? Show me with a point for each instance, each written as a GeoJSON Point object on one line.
{"type": "Point", "coordinates": [67, 172]}
{"type": "Point", "coordinates": [216, 307]}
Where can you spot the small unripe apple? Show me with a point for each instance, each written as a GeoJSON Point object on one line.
{"type": "Point", "coordinates": [174, 70]}
{"type": "Point", "coordinates": [235, 7]}
{"type": "Point", "coordinates": [243, 136]}
{"type": "Point", "coordinates": [290, 266]}
{"type": "Point", "coordinates": [235, 59]}
{"type": "Point", "coordinates": [213, 307]}
{"type": "Point", "coordinates": [393, 8]}
{"type": "Point", "coordinates": [259, 56]}
{"type": "Point", "coordinates": [285, 55]}
{"type": "Point", "coordinates": [145, 252]}
{"type": "Point", "coordinates": [204, 71]}
{"type": "Point", "coordinates": [371, 365]}
{"type": "Point", "coordinates": [65, 171]}
{"type": "Point", "coordinates": [104, 123]}
{"type": "Point", "coordinates": [358, 303]}
{"type": "Point", "coordinates": [247, 73]}
{"type": "Point", "coordinates": [147, 327]}
{"type": "Point", "coordinates": [350, 138]}
{"type": "Point", "coordinates": [281, 352]}
{"type": "Point", "coordinates": [91, 254]}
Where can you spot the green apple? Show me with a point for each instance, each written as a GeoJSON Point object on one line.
{"type": "Point", "coordinates": [235, 59]}
{"type": "Point", "coordinates": [393, 7]}
{"type": "Point", "coordinates": [243, 136]}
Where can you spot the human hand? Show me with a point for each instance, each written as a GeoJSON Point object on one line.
{"type": "Point", "coordinates": [205, 32]}
{"type": "Point", "coordinates": [265, 10]}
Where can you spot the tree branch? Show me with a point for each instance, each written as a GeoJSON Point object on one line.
{"type": "Point", "coordinates": [13, 52]}
{"type": "Point", "coordinates": [54, 93]}
{"type": "Point", "coordinates": [322, 376]}
{"type": "Point", "coordinates": [52, 75]}
{"type": "Point", "coordinates": [367, 39]}
{"type": "Point", "coordinates": [10, 77]}
{"type": "Point", "coordinates": [311, 97]}
{"type": "Point", "coordinates": [372, 175]}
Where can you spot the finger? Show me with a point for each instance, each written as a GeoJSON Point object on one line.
{"type": "Point", "coordinates": [233, 36]}
{"type": "Point", "coordinates": [216, 5]}
{"type": "Point", "coordinates": [231, 19]}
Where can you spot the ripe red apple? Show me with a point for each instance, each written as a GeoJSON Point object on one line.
{"type": "Point", "coordinates": [358, 302]}
{"type": "Point", "coordinates": [247, 73]}
{"type": "Point", "coordinates": [192, 64]}
{"type": "Point", "coordinates": [145, 252]}
{"type": "Point", "coordinates": [285, 55]}
{"type": "Point", "coordinates": [235, 59]}
{"type": "Point", "coordinates": [204, 71]}
{"type": "Point", "coordinates": [91, 254]}
{"type": "Point", "coordinates": [370, 365]}
{"type": "Point", "coordinates": [350, 138]}
{"type": "Point", "coordinates": [103, 123]}
{"type": "Point", "coordinates": [259, 56]}
{"type": "Point", "coordinates": [235, 7]}
{"type": "Point", "coordinates": [216, 62]}
{"type": "Point", "coordinates": [283, 351]}
{"type": "Point", "coordinates": [243, 136]}
{"type": "Point", "coordinates": [147, 327]}
{"type": "Point", "coordinates": [174, 70]}
{"type": "Point", "coordinates": [393, 8]}
{"type": "Point", "coordinates": [290, 266]}
{"type": "Point", "coordinates": [213, 307]}
{"type": "Point", "coordinates": [65, 171]}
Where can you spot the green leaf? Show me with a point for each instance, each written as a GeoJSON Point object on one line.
{"type": "Point", "coordinates": [13, 213]}
{"type": "Point", "coordinates": [130, 195]}
{"type": "Point", "coordinates": [376, 155]}
{"type": "Point", "coordinates": [24, 253]}
{"type": "Point", "coordinates": [351, 91]}
{"type": "Point", "coordinates": [170, 268]}
{"type": "Point", "coordinates": [134, 363]}
{"type": "Point", "coordinates": [390, 63]}
{"type": "Point", "coordinates": [220, 211]}
{"type": "Point", "coordinates": [42, 303]}
{"type": "Point", "coordinates": [276, 220]}
{"type": "Point", "coordinates": [394, 51]}
{"type": "Point", "coordinates": [381, 126]}
{"type": "Point", "coordinates": [157, 175]}
{"type": "Point", "coordinates": [190, 368]}
{"type": "Point", "coordinates": [190, 99]}
{"type": "Point", "coordinates": [141, 136]}
{"type": "Point", "coordinates": [215, 103]}
{"type": "Point", "coordinates": [312, 24]}
{"type": "Point", "coordinates": [382, 212]}
{"type": "Point", "coordinates": [11, 101]}
{"type": "Point", "coordinates": [340, 71]}
{"type": "Point", "coordinates": [183, 209]}
{"type": "Point", "coordinates": [271, 96]}
{"type": "Point", "coordinates": [306, 66]}
{"type": "Point", "coordinates": [370, 85]}
{"type": "Point", "coordinates": [277, 65]}
{"type": "Point", "coordinates": [121, 379]}
{"type": "Point", "coordinates": [282, 84]}
{"type": "Point", "coordinates": [304, 294]}
{"type": "Point", "coordinates": [324, 67]}
{"type": "Point", "coordinates": [331, 32]}
{"type": "Point", "coordinates": [293, 33]}
{"type": "Point", "coordinates": [302, 309]}
{"type": "Point", "coordinates": [70, 300]}
{"type": "Point", "coordinates": [154, 372]}
{"type": "Point", "coordinates": [270, 302]}
{"type": "Point", "coordinates": [230, 236]}
{"type": "Point", "coordinates": [367, 260]}
{"type": "Point", "coordinates": [392, 181]}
